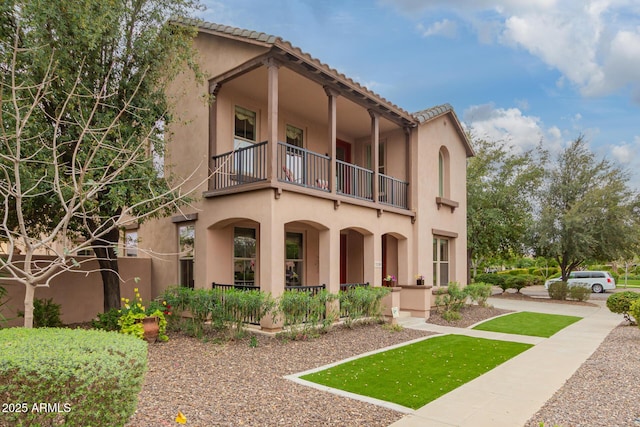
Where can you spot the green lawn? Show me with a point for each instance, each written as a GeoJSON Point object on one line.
{"type": "Point", "coordinates": [631, 283]}
{"type": "Point", "coordinates": [527, 323]}
{"type": "Point", "coordinates": [416, 374]}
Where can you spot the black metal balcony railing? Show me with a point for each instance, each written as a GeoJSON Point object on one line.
{"type": "Point", "coordinates": [392, 191]}
{"type": "Point", "coordinates": [302, 167]}
{"type": "Point", "coordinates": [241, 166]}
{"type": "Point", "coordinates": [354, 181]}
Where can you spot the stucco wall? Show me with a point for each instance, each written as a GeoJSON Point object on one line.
{"type": "Point", "coordinates": [80, 293]}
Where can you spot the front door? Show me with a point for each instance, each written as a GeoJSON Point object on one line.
{"type": "Point", "coordinates": [343, 258]}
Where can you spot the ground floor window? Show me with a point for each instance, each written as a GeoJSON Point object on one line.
{"type": "Point", "coordinates": [131, 243]}
{"type": "Point", "coordinates": [186, 254]}
{"type": "Point", "coordinates": [440, 261]}
{"type": "Point", "coordinates": [294, 259]}
{"type": "Point", "coordinates": [244, 256]}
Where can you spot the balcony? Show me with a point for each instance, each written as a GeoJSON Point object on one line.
{"type": "Point", "coordinates": [304, 168]}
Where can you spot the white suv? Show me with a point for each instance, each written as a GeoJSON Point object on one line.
{"type": "Point", "coordinates": [598, 281]}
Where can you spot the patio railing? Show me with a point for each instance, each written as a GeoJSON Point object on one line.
{"type": "Point", "coordinates": [305, 168]}
{"type": "Point", "coordinates": [345, 287]}
{"type": "Point", "coordinates": [250, 318]}
{"type": "Point", "coordinates": [392, 191]}
{"type": "Point", "coordinates": [354, 181]}
{"type": "Point", "coordinates": [241, 166]}
{"type": "Point", "coordinates": [302, 167]}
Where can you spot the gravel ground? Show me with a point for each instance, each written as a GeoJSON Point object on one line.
{"type": "Point", "coordinates": [233, 384]}
{"type": "Point", "coordinates": [603, 391]}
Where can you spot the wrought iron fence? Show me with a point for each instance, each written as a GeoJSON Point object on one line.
{"type": "Point", "coordinates": [392, 191]}
{"type": "Point", "coordinates": [302, 167]}
{"type": "Point", "coordinates": [242, 166]}
{"type": "Point", "coordinates": [354, 181]}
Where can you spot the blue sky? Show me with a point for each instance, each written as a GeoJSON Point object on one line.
{"type": "Point", "coordinates": [520, 70]}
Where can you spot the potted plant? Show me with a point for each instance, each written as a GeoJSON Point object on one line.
{"type": "Point", "coordinates": [145, 322]}
{"type": "Point", "coordinates": [420, 280]}
{"type": "Point", "coordinates": [389, 280]}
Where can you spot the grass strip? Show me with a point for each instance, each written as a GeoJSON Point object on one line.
{"type": "Point", "coordinates": [528, 323]}
{"type": "Point", "coordinates": [416, 374]}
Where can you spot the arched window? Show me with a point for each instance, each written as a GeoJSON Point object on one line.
{"type": "Point", "coordinates": [443, 173]}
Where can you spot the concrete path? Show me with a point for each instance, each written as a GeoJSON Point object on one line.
{"type": "Point", "coordinates": [511, 393]}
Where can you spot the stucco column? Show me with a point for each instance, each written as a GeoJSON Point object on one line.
{"type": "Point", "coordinates": [271, 262]}
{"type": "Point", "coordinates": [332, 97]}
{"type": "Point", "coordinates": [329, 262]}
{"type": "Point", "coordinates": [408, 165]}
{"type": "Point", "coordinates": [372, 259]}
{"type": "Point", "coordinates": [405, 277]}
{"type": "Point", "coordinates": [375, 147]}
{"type": "Point", "coordinates": [272, 118]}
{"type": "Point", "coordinates": [214, 88]}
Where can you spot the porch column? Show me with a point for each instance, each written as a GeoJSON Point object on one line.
{"type": "Point", "coordinates": [272, 118]}
{"type": "Point", "coordinates": [372, 259]}
{"type": "Point", "coordinates": [332, 97]}
{"type": "Point", "coordinates": [271, 262]}
{"type": "Point", "coordinates": [214, 88]}
{"type": "Point", "coordinates": [408, 165]}
{"type": "Point", "coordinates": [329, 262]}
{"type": "Point", "coordinates": [375, 147]}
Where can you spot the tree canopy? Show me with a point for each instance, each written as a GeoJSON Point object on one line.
{"type": "Point", "coordinates": [586, 210]}
{"type": "Point", "coordinates": [500, 188]}
{"type": "Point", "coordinates": [83, 102]}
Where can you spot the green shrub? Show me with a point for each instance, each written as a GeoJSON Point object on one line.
{"type": "Point", "coordinates": [304, 313]}
{"type": "Point", "coordinates": [491, 278]}
{"type": "Point", "coordinates": [239, 306]}
{"type": "Point", "coordinates": [620, 303]}
{"type": "Point", "coordinates": [558, 290]}
{"type": "Point", "coordinates": [634, 310]}
{"type": "Point", "coordinates": [579, 293]}
{"type": "Point", "coordinates": [46, 314]}
{"type": "Point", "coordinates": [515, 271]}
{"type": "Point", "coordinates": [94, 376]}
{"type": "Point", "coordinates": [3, 293]}
{"type": "Point", "coordinates": [522, 281]}
{"type": "Point", "coordinates": [479, 292]}
{"type": "Point", "coordinates": [452, 301]}
{"type": "Point", "coordinates": [361, 302]}
{"type": "Point", "coordinates": [107, 321]}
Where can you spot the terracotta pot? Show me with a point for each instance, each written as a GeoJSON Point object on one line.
{"type": "Point", "coordinates": [151, 329]}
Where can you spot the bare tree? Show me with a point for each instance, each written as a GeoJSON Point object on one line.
{"type": "Point", "coordinates": [60, 165]}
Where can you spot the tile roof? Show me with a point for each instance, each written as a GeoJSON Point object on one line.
{"type": "Point", "coordinates": [287, 46]}
{"type": "Point", "coordinates": [433, 112]}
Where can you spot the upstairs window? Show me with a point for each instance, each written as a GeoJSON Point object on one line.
{"type": "Point", "coordinates": [245, 124]}
{"type": "Point", "coordinates": [295, 136]}
{"type": "Point", "coordinates": [443, 173]}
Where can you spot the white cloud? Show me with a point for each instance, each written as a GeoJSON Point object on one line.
{"type": "Point", "coordinates": [523, 132]}
{"type": "Point", "coordinates": [445, 28]}
{"type": "Point", "coordinates": [595, 44]}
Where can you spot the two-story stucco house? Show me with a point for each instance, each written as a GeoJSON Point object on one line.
{"type": "Point", "coordinates": [314, 179]}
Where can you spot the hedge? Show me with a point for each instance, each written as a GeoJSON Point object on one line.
{"type": "Point", "coordinates": [70, 377]}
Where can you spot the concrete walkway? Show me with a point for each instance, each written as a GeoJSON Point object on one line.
{"type": "Point", "coordinates": [511, 393]}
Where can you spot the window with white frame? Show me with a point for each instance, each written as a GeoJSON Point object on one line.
{"type": "Point", "coordinates": [186, 254]}
{"type": "Point", "coordinates": [245, 125]}
{"type": "Point", "coordinates": [131, 243]}
{"type": "Point", "coordinates": [294, 136]}
{"type": "Point", "coordinates": [294, 259]}
{"type": "Point", "coordinates": [244, 256]}
{"type": "Point", "coordinates": [440, 261]}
